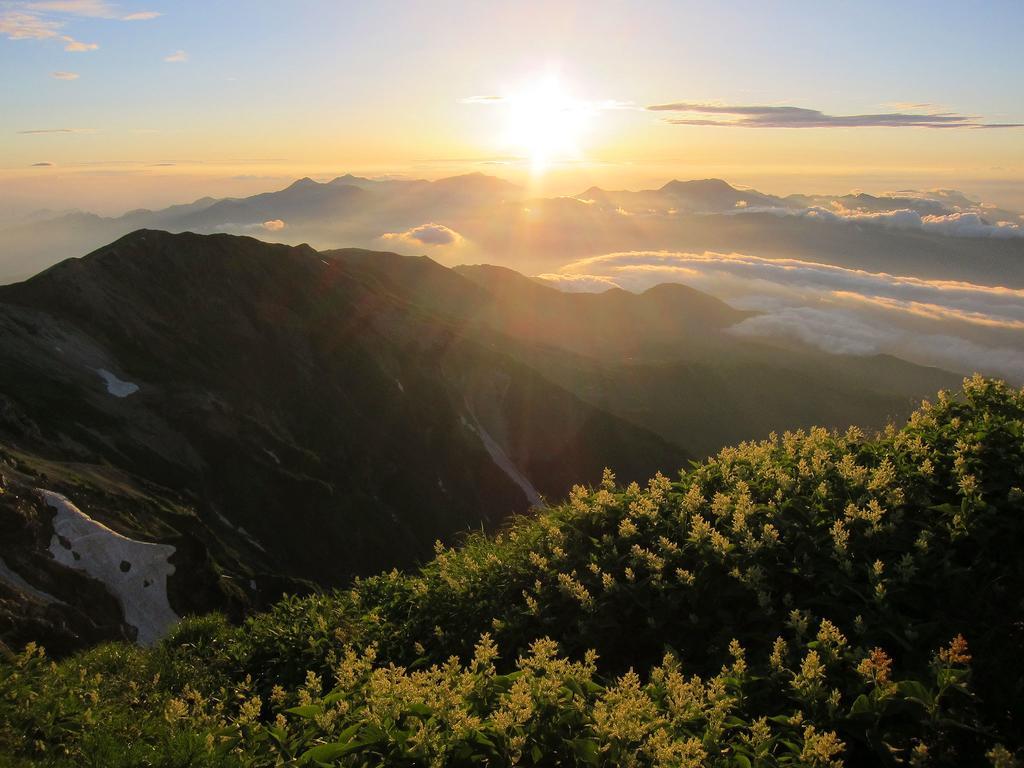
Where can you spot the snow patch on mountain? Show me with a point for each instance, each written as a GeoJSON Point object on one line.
{"type": "Point", "coordinates": [116, 386]}
{"type": "Point", "coordinates": [134, 572]}
{"type": "Point", "coordinates": [248, 536]}
{"type": "Point", "coordinates": [499, 457]}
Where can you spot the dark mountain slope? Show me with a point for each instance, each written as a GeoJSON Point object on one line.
{"type": "Point", "coordinates": [665, 359]}
{"type": "Point", "coordinates": [320, 421]}
{"type": "Point", "coordinates": [747, 391]}
{"type": "Point", "coordinates": [665, 320]}
{"type": "Point", "coordinates": [283, 417]}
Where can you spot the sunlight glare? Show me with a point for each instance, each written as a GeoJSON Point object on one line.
{"type": "Point", "coordinates": [545, 122]}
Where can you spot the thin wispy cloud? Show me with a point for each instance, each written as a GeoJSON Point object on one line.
{"type": "Point", "coordinates": [77, 46]}
{"type": "Point", "coordinates": [93, 9]}
{"type": "Point", "coordinates": [916, 106]}
{"type": "Point", "coordinates": [577, 283]}
{"type": "Point", "coordinates": [38, 131]}
{"type": "Point", "coordinates": [178, 57]}
{"type": "Point", "coordinates": [42, 165]}
{"type": "Point", "coordinates": [64, 75]}
{"type": "Point", "coordinates": [745, 116]}
{"type": "Point", "coordinates": [47, 20]}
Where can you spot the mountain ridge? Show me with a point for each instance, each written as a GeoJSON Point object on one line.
{"type": "Point", "coordinates": [266, 405]}
{"type": "Point", "coordinates": [256, 380]}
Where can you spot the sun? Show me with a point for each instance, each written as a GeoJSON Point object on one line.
{"type": "Point", "coordinates": [545, 122]}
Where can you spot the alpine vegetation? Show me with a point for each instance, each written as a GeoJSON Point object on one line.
{"type": "Point", "coordinates": [819, 599]}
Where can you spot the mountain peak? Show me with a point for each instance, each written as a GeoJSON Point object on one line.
{"type": "Point", "coordinates": [718, 185]}
{"type": "Point", "coordinates": [304, 183]}
{"type": "Point", "coordinates": [476, 179]}
{"type": "Point", "coordinates": [348, 178]}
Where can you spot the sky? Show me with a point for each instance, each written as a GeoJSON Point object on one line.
{"type": "Point", "coordinates": [111, 106]}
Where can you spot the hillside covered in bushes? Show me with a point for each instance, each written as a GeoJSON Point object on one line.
{"type": "Point", "coordinates": [816, 599]}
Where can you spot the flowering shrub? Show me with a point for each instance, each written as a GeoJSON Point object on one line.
{"type": "Point", "coordinates": [816, 599]}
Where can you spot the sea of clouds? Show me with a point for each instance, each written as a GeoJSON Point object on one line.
{"type": "Point", "coordinates": [955, 325]}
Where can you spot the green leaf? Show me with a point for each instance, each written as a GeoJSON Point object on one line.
{"type": "Point", "coordinates": [861, 706]}
{"type": "Point", "coordinates": [324, 752]}
{"type": "Point", "coordinates": [914, 691]}
{"type": "Point", "coordinates": [308, 711]}
{"type": "Point", "coordinates": [586, 750]}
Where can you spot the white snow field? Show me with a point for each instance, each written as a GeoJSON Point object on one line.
{"type": "Point", "coordinates": [134, 572]}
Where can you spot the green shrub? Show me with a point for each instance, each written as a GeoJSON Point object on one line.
{"type": "Point", "coordinates": [816, 599]}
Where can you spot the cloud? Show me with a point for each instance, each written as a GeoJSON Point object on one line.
{"type": "Point", "coordinates": [847, 333]}
{"type": "Point", "coordinates": [18, 24]}
{"type": "Point", "coordinates": [95, 9]}
{"type": "Point", "coordinates": [578, 283]}
{"type": "Point", "coordinates": [916, 105]}
{"type": "Point", "coordinates": [426, 234]}
{"type": "Point", "coordinates": [42, 165]}
{"type": "Point", "coordinates": [646, 268]}
{"type": "Point", "coordinates": [46, 20]}
{"type": "Point", "coordinates": [933, 311]}
{"type": "Point", "coordinates": [957, 216]}
{"type": "Point", "coordinates": [956, 325]}
{"type": "Point", "coordinates": [958, 224]}
{"type": "Point", "coordinates": [255, 230]}
{"type": "Point", "coordinates": [37, 131]}
{"type": "Point", "coordinates": [27, 26]}
{"type": "Point", "coordinates": [64, 75]}
{"type": "Point", "coordinates": [177, 57]}
{"type": "Point", "coordinates": [741, 116]}
{"type": "Point", "coordinates": [77, 46]}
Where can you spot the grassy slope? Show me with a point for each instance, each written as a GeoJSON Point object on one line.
{"type": "Point", "coordinates": [812, 600]}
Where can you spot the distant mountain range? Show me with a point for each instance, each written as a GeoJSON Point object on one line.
{"type": "Point", "coordinates": [284, 418]}
{"type": "Point", "coordinates": [940, 234]}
